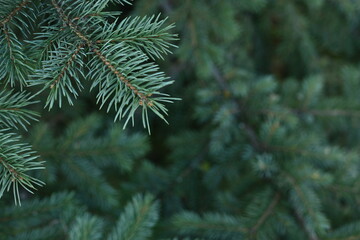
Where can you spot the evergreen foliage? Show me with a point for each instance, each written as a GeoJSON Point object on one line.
{"type": "Point", "coordinates": [264, 144]}
{"type": "Point", "coordinates": [13, 112]}
{"type": "Point", "coordinates": [58, 45]}
{"type": "Point", "coordinates": [17, 159]}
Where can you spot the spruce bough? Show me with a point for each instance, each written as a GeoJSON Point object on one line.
{"type": "Point", "coordinates": [55, 46]}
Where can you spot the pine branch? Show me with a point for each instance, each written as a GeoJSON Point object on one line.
{"type": "Point", "coordinates": [99, 192]}
{"type": "Point", "coordinates": [349, 231]}
{"type": "Point", "coordinates": [7, 18]}
{"type": "Point", "coordinates": [250, 132]}
{"type": "Point", "coordinates": [16, 159]}
{"type": "Point", "coordinates": [96, 50]}
{"type": "Point", "coordinates": [306, 210]}
{"type": "Point", "coordinates": [14, 64]}
{"type": "Point", "coordinates": [12, 109]}
{"type": "Point", "coordinates": [67, 65]}
{"type": "Point", "coordinates": [148, 35]}
{"type": "Point", "coordinates": [84, 153]}
{"type": "Point", "coordinates": [269, 210]}
{"type": "Point", "coordinates": [309, 232]}
{"type": "Point", "coordinates": [113, 149]}
{"type": "Point", "coordinates": [83, 170]}
{"type": "Point", "coordinates": [119, 68]}
{"type": "Point", "coordinates": [52, 217]}
{"type": "Point", "coordinates": [137, 220]}
{"type": "Point", "coordinates": [62, 72]}
{"type": "Point", "coordinates": [87, 227]}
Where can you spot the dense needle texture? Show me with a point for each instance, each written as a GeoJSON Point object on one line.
{"type": "Point", "coordinates": [264, 144]}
